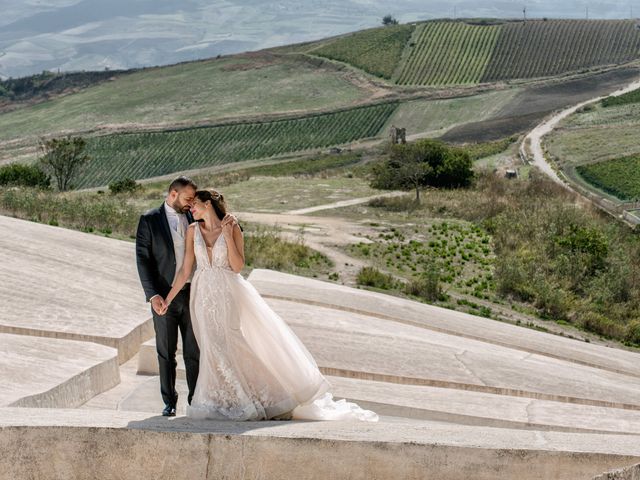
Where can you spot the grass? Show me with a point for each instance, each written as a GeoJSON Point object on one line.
{"type": "Point", "coordinates": [619, 177]}
{"type": "Point", "coordinates": [205, 90]}
{"type": "Point", "coordinates": [624, 99]}
{"type": "Point", "coordinates": [269, 194]}
{"type": "Point", "coordinates": [435, 117]}
{"type": "Point", "coordinates": [600, 144]}
{"type": "Point", "coordinates": [457, 254]}
{"type": "Point", "coordinates": [376, 51]}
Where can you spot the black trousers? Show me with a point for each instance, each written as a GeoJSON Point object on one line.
{"type": "Point", "coordinates": [166, 326]}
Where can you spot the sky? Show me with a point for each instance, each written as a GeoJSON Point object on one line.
{"type": "Point", "coordinates": [72, 35]}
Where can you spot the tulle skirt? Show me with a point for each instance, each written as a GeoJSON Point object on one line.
{"type": "Point", "coordinates": [252, 365]}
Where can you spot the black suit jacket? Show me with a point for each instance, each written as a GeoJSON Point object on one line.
{"type": "Point", "coordinates": [155, 255]}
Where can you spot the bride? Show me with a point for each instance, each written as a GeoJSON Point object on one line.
{"type": "Point", "coordinates": [252, 365]}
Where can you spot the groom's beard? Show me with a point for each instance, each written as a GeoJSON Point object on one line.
{"type": "Point", "coordinates": [179, 207]}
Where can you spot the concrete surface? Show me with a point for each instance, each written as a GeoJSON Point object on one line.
{"type": "Point", "coordinates": [65, 284]}
{"type": "Point", "coordinates": [73, 443]}
{"type": "Point", "coordinates": [53, 373]}
{"type": "Point", "coordinates": [627, 473]}
{"type": "Point", "coordinates": [308, 291]}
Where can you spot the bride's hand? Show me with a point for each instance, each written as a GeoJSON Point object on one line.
{"type": "Point", "coordinates": [165, 307]}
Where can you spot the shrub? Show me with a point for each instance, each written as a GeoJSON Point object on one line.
{"type": "Point", "coordinates": [18, 174]}
{"type": "Point", "coordinates": [632, 333]}
{"type": "Point", "coordinates": [127, 185]}
{"type": "Point", "coordinates": [427, 286]}
{"type": "Point", "coordinates": [597, 323]}
{"type": "Point", "coordinates": [372, 277]}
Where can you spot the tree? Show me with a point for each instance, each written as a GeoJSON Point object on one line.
{"type": "Point", "coordinates": [389, 20]}
{"type": "Point", "coordinates": [425, 162]}
{"type": "Point", "coordinates": [64, 159]}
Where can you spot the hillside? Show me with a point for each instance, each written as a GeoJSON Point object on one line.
{"type": "Point", "coordinates": [426, 77]}
{"type": "Point", "coordinates": [439, 53]}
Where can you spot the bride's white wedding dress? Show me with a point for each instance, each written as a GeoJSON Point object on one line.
{"type": "Point", "coordinates": [252, 365]}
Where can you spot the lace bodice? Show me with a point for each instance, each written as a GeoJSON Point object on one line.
{"type": "Point", "coordinates": [219, 255]}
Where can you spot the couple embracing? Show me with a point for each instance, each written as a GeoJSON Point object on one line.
{"type": "Point", "coordinates": [242, 361]}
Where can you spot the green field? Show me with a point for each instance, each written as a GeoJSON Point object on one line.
{"type": "Point", "coordinates": [601, 145]}
{"type": "Point", "coordinates": [629, 97]}
{"type": "Point", "coordinates": [150, 154]}
{"type": "Point", "coordinates": [437, 116]}
{"type": "Point", "coordinates": [376, 51]}
{"type": "Point", "coordinates": [448, 53]}
{"type": "Point", "coordinates": [464, 52]}
{"type": "Point", "coordinates": [207, 90]}
{"type": "Point", "coordinates": [539, 48]}
{"type": "Point", "coordinates": [619, 177]}
{"type": "Point", "coordinates": [595, 134]}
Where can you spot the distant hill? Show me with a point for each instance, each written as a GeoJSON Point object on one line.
{"type": "Point", "coordinates": [445, 79]}
{"type": "Point", "coordinates": [441, 53]}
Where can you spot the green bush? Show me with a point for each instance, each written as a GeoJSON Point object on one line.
{"type": "Point", "coordinates": [427, 287]}
{"type": "Point", "coordinates": [372, 277]}
{"type": "Point", "coordinates": [127, 185]}
{"type": "Point", "coordinates": [598, 323]}
{"type": "Point", "coordinates": [632, 333]}
{"type": "Point", "coordinates": [18, 174]}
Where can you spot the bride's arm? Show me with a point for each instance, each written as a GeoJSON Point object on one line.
{"type": "Point", "coordinates": [235, 245]}
{"type": "Point", "coordinates": [187, 264]}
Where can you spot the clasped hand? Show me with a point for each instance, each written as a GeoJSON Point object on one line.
{"type": "Point", "coordinates": [159, 305]}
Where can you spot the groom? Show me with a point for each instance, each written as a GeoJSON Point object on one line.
{"type": "Point", "coordinates": [160, 251]}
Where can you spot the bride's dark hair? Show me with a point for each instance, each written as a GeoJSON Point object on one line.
{"type": "Point", "coordinates": [216, 199]}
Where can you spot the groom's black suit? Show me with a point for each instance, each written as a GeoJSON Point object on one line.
{"type": "Point", "coordinates": [156, 262]}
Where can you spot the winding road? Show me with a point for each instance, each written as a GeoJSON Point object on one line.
{"type": "Point", "coordinates": [535, 136]}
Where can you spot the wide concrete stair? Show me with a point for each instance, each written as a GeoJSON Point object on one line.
{"type": "Point", "coordinates": [459, 396]}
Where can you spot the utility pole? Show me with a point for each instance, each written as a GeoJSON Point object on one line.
{"type": "Point", "coordinates": [587, 12]}
{"type": "Point", "coordinates": [455, 12]}
{"type": "Point", "coordinates": [524, 13]}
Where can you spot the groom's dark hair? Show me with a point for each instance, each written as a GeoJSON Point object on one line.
{"type": "Point", "coordinates": [182, 182]}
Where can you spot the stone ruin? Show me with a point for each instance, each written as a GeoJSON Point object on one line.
{"type": "Point", "coordinates": [398, 135]}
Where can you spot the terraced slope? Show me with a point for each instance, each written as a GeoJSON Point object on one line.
{"type": "Point", "coordinates": [376, 51]}
{"type": "Point", "coordinates": [544, 48]}
{"type": "Point", "coordinates": [150, 154]}
{"type": "Point", "coordinates": [448, 53]}
{"type": "Point", "coordinates": [442, 53]}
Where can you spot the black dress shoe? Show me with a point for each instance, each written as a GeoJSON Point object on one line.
{"type": "Point", "coordinates": [169, 411]}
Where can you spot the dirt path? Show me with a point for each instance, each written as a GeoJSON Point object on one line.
{"type": "Point", "coordinates": [342, 203]}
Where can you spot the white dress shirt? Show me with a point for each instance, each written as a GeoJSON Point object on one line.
{"type": "Point", "coordinates": [178, 225]}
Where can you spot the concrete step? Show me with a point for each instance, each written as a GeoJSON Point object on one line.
{"type": "Point", "coordinates": [77, 443]}
{"type": "Point", "coordinates": [53, 373]}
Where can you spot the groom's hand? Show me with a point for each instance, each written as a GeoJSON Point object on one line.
{"type": "Point", "coordinates": [229, 219]}
{"type": "Point", "coordinates": [159, 305]}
